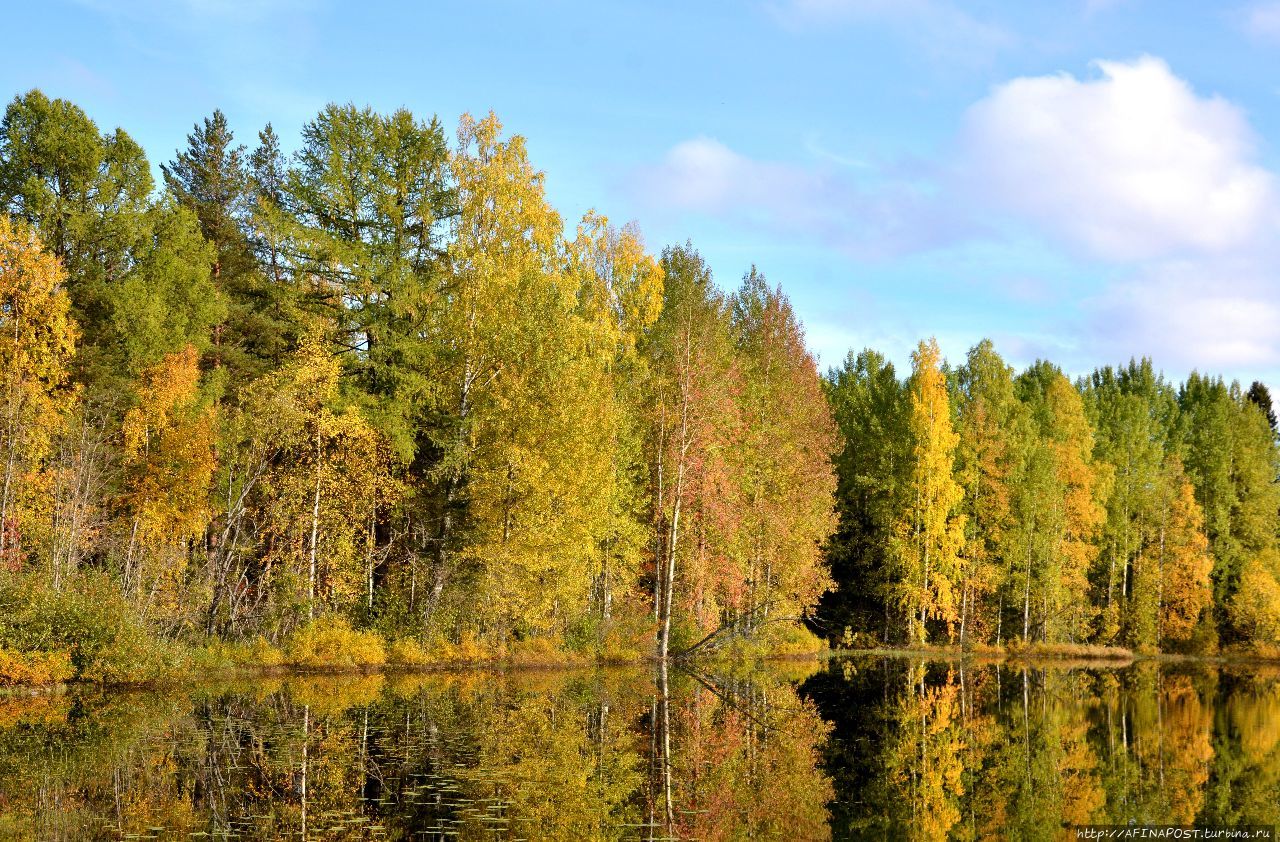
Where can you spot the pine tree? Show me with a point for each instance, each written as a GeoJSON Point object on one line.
{"type": "Point", "coordinates": [211, 177]}
{"type": "Point", "coordinates": [1260, 396]}
{"type": "Point", "coordinates": [871, 408]}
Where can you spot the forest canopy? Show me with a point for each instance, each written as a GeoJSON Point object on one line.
{"type": "Point", "coordinates": [379, 384]}
{"type": "Point", "coordinates": [378, 396]}
{"type": "Point", "coordinates": [982, 506]}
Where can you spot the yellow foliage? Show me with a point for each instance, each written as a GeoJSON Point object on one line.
{"type": "Point", "coordinates": [929, 535]}
{"type": "Point", "coordinates": [34, 668]}
{"type": "Point", "coordinates": [331, 643]}
{"type": "Point", "coordinates": [1255, 609]}
{"type": "Point", "coordinates": [1185, 562]}
{"type": "Point", "coordinates": [36, 345]}
{"type": "Point", "coordinates": [332, 470]}
{"type": "Point", "coordinates": [408, 652]}
{"type": "Point", "coordinates": [169, 452]}
{"type": "Point", "coordinates": [221, 655]}
{"type": "Point", "coordinates": [530, 365]}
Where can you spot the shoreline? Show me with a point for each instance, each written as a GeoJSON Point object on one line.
{"type": "Point", "coordinates": [1099, 656]}
{"type": "Point", "coordinates": [568, 663]}
{"type": "Point", "coordinates": [1070, 656]}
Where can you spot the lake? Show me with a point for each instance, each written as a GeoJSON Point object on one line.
{"type": "Point", "coordinates": [881, 748]}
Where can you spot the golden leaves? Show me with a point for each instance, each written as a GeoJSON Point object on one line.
{"type": "Point", "coordinates": [169, 450]}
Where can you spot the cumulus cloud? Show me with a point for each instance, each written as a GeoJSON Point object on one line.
{"type": "Point", "coordinates": [1137, 171]}
{"type": "Point", "coordinates": [1155, 189]}
{"type": "Point", "coordinates": [1215, 315]}
{"type": "Point", "coordinates": [892, 217]}
{"type": "Point", "coordinates": [1130, 165]}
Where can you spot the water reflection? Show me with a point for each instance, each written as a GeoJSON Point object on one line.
{"type": "Point", "coordinates": [888, 749]}
{"type": "Point", "coordinates": [611, 755]}
{"type": "Point", "coordinates": [963, 751]}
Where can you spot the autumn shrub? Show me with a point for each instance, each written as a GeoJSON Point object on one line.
{"type": "Point", "coordinates": [544, 651]}
{"type": "Point", "coordinates": [218, 655]}
{"type": "Point", "coordinates": [628, 637]}
{"type": "Point", "coordinates": [469, 649]}
{"type": "Point", "coordinates": [784, 640]}
{"type": "Point", "coordinates": [136, 657]}
{"type": "Point", "coordinates": [585, 631]}
{"type": "Point", "coordinates": [260, 652]}
{"type": "Point", "coordinates": [89, 620]}
{"type": "Point", "coordinates": [409, 652]}
{"type": "Point", "coordinates": [1017, 649]}
{"type": "Point", "coordinates": [34, 668]}
{"type": "Point", "coordinates": [851, 638]}
{"type": "Point", "coordinates": [777, 640]}
{"type": "Point", "coordinates": [331, 643]}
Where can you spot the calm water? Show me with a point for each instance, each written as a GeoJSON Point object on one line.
{"type": "Point", "coordinates": [863, 748]}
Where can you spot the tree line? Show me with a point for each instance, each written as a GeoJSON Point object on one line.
{"type": "Point", "coordinates": [379, 380]}
{"type": "Point", "coordinates": [981, 506]}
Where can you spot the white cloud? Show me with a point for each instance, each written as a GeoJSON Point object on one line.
{"type": "Point", "coordinates": [1137, 171]}
{"type": "Point", "coordinates": [1130, 165]}
{"type": "Point", "coordinates": [1156, 190]}
{"type": "Point", "coordinates": [1211, 314]}
{"type": "Point", "coordinates": [1262, 20]}
{"type": "Point", "coordinates": [816, 201]}
{"type": "Point", "coordinates": [702, 174]}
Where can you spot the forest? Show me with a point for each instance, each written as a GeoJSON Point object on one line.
{"type": "Point", "coordinates": [374, 401]}
{"type": "Point", "coordinates": [986, 508]}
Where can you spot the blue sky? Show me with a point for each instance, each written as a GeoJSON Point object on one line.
{"type": "Point", "coordinates": [1083, 180]}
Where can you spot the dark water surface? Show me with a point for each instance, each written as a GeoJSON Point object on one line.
{"type": "Point", "coordinates": [858, 748]}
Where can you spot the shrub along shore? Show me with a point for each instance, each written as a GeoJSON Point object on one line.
{"type": "Point", "coordinates": [90, 635]}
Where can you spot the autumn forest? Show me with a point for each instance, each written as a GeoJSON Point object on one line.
{"type": "Point", "coordinates": [375, 401]}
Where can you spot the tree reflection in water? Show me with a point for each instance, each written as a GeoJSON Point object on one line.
{"type": "Point", "coordinates": [889, 748]}
{"type": "Point", "coordinates": [623, 754]}
{"type": "Point", "coordinates": [962, 750]}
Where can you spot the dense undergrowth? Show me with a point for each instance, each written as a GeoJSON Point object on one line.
{"type": "Point", "coordinates": [86, 632]}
